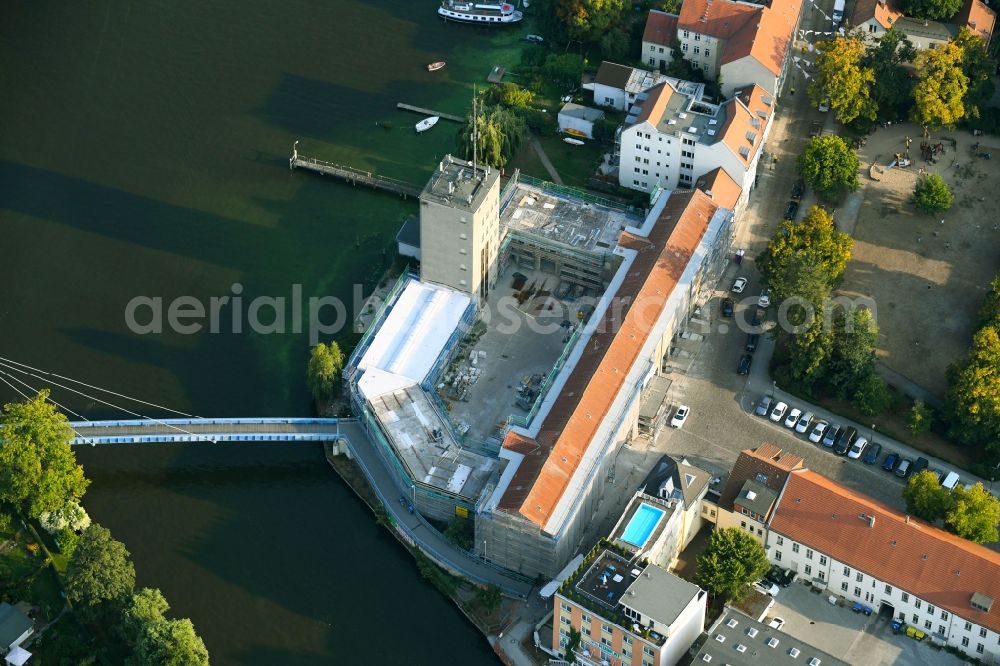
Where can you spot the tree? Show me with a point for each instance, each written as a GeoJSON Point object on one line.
{"type": "Point", "coordinates": [815, 240]}
{"type": "Point", "coordinates": [974, 514]}
{"type": "Point", "coordinates": [829, 165]}
{"type": "Point", "coordinates": [100, 569]}
{"type": "Point", "coordinates": [614, 44]}
{"type": "Point", "coordinates": [571, 645]}
{"type": "Point", "coordinates": [976, 65]}
{"type": "Point", "coordinates": [932, 9]}
{"type": "Point", "coordinates": [459, 532]}
{"type": "Point", "coordinates": [925, 498]}
{"type": "Point", "coordinates": [853, 357]}
{"type": "Point", "coordinates": [808, 352]}
{"type": "Point", "coordinates": [892, 87]}
{"type": "Point", "coordinates": [588, 20]}
{"type": "Point", "coordinates": [989, 311]}
{"type": "Point", "coordinates": [490, 597]}
{"type": "Point", "coordinates": [326, 363]}
{"type": "Point", "coordinates": [733, 560]}
{"type": "Point", "coordinates": [920, 418]}
{"type": "Point", "coordinates": [670, 6]}
{"type": "Point", "coordinates": [508, 94]}
{"type": "Point", "coordinates": [563, 69]}
{"type": "Point", "coordinates": [499, 135]}
{"type": "Point", "coordinates": [871, 397]}
{"type": "Point", "coordinates": [38, 469]}
{"type": "Point", "coordinates": [145, 607]}
{"type": "Point", "coordinates": [931, 195]}
{"type": "Point", "coordinates": [170, 643]}
{"type": "Point", "coordinates": [973, 400]}
{"type": "Point", "coordinates": [843, 79]}
{"type": "Point", "coordinates": [941, 86]}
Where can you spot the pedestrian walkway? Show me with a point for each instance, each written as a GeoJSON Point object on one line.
{"type": "Point", "coordinates": [536, 145]}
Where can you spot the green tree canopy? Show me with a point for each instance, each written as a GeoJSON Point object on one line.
{"type": "Point", "coordinates": [809, 351]}
{"type": "Point", "coordinates": [814, 239]}
{"type": "Point", "coordinates": [978, 67]}
{"type": "Point", "coordinates": [100, 569]}
{"type": "Point", "coordinates": [920, 418]}
{"type": "Point", "coordinates": [508, 94]}
{"type": "Point", "coordinates": [144, 607]}
{"type": "Point", "coordinates": [973, 399]}
{"type": "Point", "coordinates": [892, 89]}
{"type": "Point", "coordinates": [490, 597]}
{"type": "Point", "coordinates": [925, 498]}
{"type": "Point", "coordinates": [941, 86]}
{"type": "Point", "coordinates": [829, 165]}
{"type": "Point", "coordinates": [500, 132]}
{"type": "Point", "coordinates": [326, 363]}
{"type": "Point", "coordinates": [38, 470]}
{"type": "Point", "coordinates": [563, 69]}
{"type": "Point", "coordinates": [589, 20]}
{"type": "Point", "coordinates": [974, 514]}
{"type": "Point", "coordinates": [871, 397]}
{"type": "Point", "coordinates": [843, 79]}
{"type": "Point", "coordinates": [733, 560]}
{"type": "Point", "coordinates": [853, 357]}
{"type": "Point", "coordinates": [170, 643]}
{"type": "Point", "coordinates": [989, 311]}
{"type": "Point", "coordinates": [932, 9]}
{"type": "Point", "coordinates": [931, 194]}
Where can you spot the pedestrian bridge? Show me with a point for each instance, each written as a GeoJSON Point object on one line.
{"type": "Point", "coordinates": [209, 431]}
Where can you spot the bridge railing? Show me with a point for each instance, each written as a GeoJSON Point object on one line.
{"type": "Point", "coordinates": [152, 423]}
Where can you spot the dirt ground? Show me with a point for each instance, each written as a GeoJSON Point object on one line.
{"type": "Point", "coordinates": [927, 279]}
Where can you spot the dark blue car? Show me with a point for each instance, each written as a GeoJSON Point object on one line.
{"type": "Point", "coordinates": [891, 461]}
{"type": "Point", "coordinates": [871, 455]}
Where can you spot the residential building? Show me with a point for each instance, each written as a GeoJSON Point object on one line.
{"type": "Point", "coordinates": [752, 489]}
{"type": "Point", "coordinates": [875, 17]}
{"type": "Point", "coordinates": [553, 470]}
{"type": "Point", "coordinates": [460, 227]}
{"type": "Point", "coordinates": [745, 43]}
{"type": "Point", "coordinates": [738, 640]}
{"type": "Point", "coordinates": [868, 552]}
{"type": "Point", "coordinates": [682, 483]}
{"type": "Point", "coordinates": [618, 86]}
{"type": "Point", "coordinates": [673, 137]}
{"type": "Point", "coordinates": [628, 614]}
{"type": "Point", "coordinates": [578, 120]}
{"type": "Point", "coordinates": [15, 628]}
{"type": "Point", "coordinates": [979, 18]}
{"type": "Point", "coordinates": [658, 39]}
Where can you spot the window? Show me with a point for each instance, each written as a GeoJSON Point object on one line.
{"type": "Point", "coordinates": [635, 182]}
{"type": "Point", "coordinates": [697, 50]}
{"type": "Point", "coordinates": [979, 648]}
{"type": "Point", "coordinates": [605, 628]}
{"type": "Point", "coordinates": [857, 591]}
{"type": "Point", "coordinates": [606, 641]}
{"type": "Point", "coordinates": [777, 556]}
{"type": "Point", "coordinates": [927, 625]}
{"type": "Point", "coordinates": [916, 619]}
{"type": "Point", "coordinates": [822, 559]}
{"type": "Point", "coordinates": [564, 620]}
{"type": "Point", "coordinates": [888, 589]}
{"type": "Point", "coordinates": [822, 575]}
{"type": "Point", "coordinates": [705, 67]}
{"type": "Point", "coordinates": [982, 632]}
{"type": "Point", "coordinates": [965, 641]}
{"type": "Point", "coordinates": [697, 37]}
{"type": "Point", "coordinates": [661, 49]}
{"type": "Point", "coordinates": [847, 571]}
{"type": "Point", "coordinates": [637, 169]}
{"type": "Point", "coordinates": [645, 172]}
{"type": "Point", "coordinates": [809, 569]}
{"type": "Point", "coordinates": [626, 653]}
{"type": "Point", "coordinates": [686, 34]}
{"type": "Point", "coordinates": [917, 603]}
{"type": "Point", "coordinates": [708, 52]}
{"type": "Point", "coordinates": [565, 606]}
{"type": "Point", "coordinates": [944, 615]}
{"type": "Point", "coordinates": [684, 47]}
{"type": "Point", "coordinates": [647, 650]}
{"type": "Point", "coordinates": [652, 48]}
{"type": "Point", "coordinates": [906, 597]}
{"type": "Point", "coordinates": [860, 577]}
{"type": "Point", "coordinates": [843, 586]}
{"type": "Point", "coordinates": [968, 626]}
{"type": "Point", "coordinates": [585, 631]}
{"type": "Point", "coordinates": [585, 617]}
{"type": "Point", "coordinates": [941, 629]}
{"type": "Point", "coordinates": [795, 547]}
{"type": "Point", "coordinates": [930, 609]}
{"type": "Point", "coordinates": [743, 524]}
{"type": "Point", "coordinates": [781, 541]}
{"type": "Point", "coordinates": [626, 640]}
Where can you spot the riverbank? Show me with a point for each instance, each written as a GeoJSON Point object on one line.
{"type": "Point", "coordinates": [481, 606]}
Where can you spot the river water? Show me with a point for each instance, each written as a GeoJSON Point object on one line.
{"type": "Point", "coordinates": [143, 152]}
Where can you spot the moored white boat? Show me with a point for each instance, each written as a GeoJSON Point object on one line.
{"type": "Point", "coordinates": [473, 12]}
{"type": "Point", "coordinates": [535, 39]}
{"type": "Point", "coordinates": [428, 123]}
{"type": "Point", "coordinates": [572, 141]}
{"type": "Point", "coordinates": [435, 66]}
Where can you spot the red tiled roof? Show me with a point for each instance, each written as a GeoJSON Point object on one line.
{"type": "Point", "coordinates": [766, 459]}
{"type": "Point", "coordinates": [979, 18]}
{"type": "Point", "coordinates": [743, 121]}
{"type": "Point", "coordinates": [718, 18]}
{"type": "Point", "coordinates": [941, 568]}
{"type": "Point", "coordinates": [884, 13]}
{"type": "Point", "coordinates": [614, 348]}
{"type": "Point", "coordinates": [661, 28]}
{"type": "Point", "coordinates": [724, 190]}
{"type": "Point", "coordinates": [767, 38]}
{"type": "Point", "coordinates": [655, 103]}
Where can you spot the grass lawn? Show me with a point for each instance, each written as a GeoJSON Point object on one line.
{"type": "Point", "coordinates": [575, 164]}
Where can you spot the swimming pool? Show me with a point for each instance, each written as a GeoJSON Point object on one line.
{"type": "Point", "coordinates": [644, 521]}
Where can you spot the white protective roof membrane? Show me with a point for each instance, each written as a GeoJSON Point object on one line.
{"type": "Point", "coordinates": [412, 336]}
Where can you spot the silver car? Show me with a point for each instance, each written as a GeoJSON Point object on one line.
{"type": "Point", "coordinates": [804, 422]}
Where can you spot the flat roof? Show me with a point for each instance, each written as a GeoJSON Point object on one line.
{"type": "Point", "coordinates": [575, 224]}
{"type": "Point", "coordinates": [412, 336]}
{"type": "Point", "coordinates": [455, 183]}
{"type": "Point", "coordinates": [580, 111]}
{"type": "Point", "coordinates": [659, 594]}
{"type": "Point", "coordinates": [760, 645]}
{"type": "Point", "coordinates": [426, 447]}
{"type": "Point", "coordinates": [607, 578]}
{"type": "Point", "coordinates": [638, 500]}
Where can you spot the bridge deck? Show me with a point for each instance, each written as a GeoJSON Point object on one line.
{"type": "Point", "coordinates": [354, 176]}
{"type": "Point", "coordinates": [193, 430]}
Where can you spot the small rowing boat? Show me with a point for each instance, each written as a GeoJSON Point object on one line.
{"type": "Point", "coordinates": [535, 39]}
{"type": "Point", "coordinates": [428, 123]}
{"type": "Point", "coordinates": [573, 142]}
{"type": "Point", "coordinates": [435, 66]}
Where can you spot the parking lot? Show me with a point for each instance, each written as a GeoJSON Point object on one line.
{"type": "Point", "coordinates": [853, 637]}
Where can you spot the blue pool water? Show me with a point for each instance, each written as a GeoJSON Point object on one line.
{"type": "Point", "coordinates": [643, 522]}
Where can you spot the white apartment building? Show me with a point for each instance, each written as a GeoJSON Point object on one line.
{"type": "Point", "coordinates": [868, 552]}
{"type": "Point", "coordinates": [673, 136]}
{"type": "Point", "coordinates": [618, 86]}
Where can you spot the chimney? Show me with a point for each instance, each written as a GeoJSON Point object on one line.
{"type": "Point", "coordinates": [907, 519]}
{"type": "Point", "coordinates": [871, 521]}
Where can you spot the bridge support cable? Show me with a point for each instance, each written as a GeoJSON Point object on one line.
{"type": "Point", "coordinates": [98, 388]}
{"type": "Point", "coordinates": [36, 392]}
{"type": "Point", "coordinates": [109, 404]}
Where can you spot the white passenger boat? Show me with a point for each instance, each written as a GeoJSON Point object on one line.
{"type": "Point", "coordinates": [473, 12]}
{"type": "Point", "coordinates": [573, 142]}
{"type": "Point", "coordinates": [427, 123]}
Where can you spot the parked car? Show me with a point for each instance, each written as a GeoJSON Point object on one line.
{"type": "Point", "coordinates": [791, 209]}
{"type": "Point", "coordinates": [903, 470]}
{"type": "Point", "coordinates": [765, 298]}
{"type": "Point", "coordinates": [727, 307]}
{"type": "Point", "coordinates": [793, 417]}
{"type": "Point", "coordinates": [787, 578]}
{"type": "Point", "coordinates": [824, 106]}
{"type": "Point", "coordinates": [775, 575]}
{"type": "Point", "coordinates": [920, 465]}
{"type": "Point", "coordinates": [764, 587]}
{"type": "Point", "coordinates": [871, 455]}
{"type": "Point", "coordinates": [817, 432]}
{"type": "Point", "coordinates": [815, 128]}
{"type": "Point", "coordinates": [844, 440]}
{"type": "Point", "coordinates": [751, 345]}
{"type": "Point", "coordinates": [764, 405]}
{"type": "Point", "coordinates": [830, 436]}
{"type": "Point", "coordinates": [950, 480]}
{"type": "Point", "coordinates": [680, 416]}
{"type": "Point", "coordinates": [758, 317]}
{"type": "Point", "coordinates": [739, 285]}
{"type": "Point", "coordinates": [891, 461]}
{"type": "Point", "coordinates": [776, 623]}
{"type": "Point", "coordinates": [778, 412]}
{"type": "Point", "coordinates": [744, 366]}
{"type": "Point", "coordinates": [859, 607]}
{"type": "Point", "coordinates": [798, 189]}
{"type": "Point", "coordinates": [857, 448]}
{"type": "Point", "coordinates": [804, 422]}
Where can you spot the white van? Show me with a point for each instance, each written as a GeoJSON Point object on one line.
{"type": "Point", "coordinates": [838, 12]}
{"type": "Point", "coordinates": [950, 480]}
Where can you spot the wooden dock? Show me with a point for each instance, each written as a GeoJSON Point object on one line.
{"type": "Point", "coordinates": [353, 176]}
{"type": "Point", "coordinates": [430, 112]}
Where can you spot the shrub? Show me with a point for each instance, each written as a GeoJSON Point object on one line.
{"type": "Point", "coordinates": [931, 195]}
